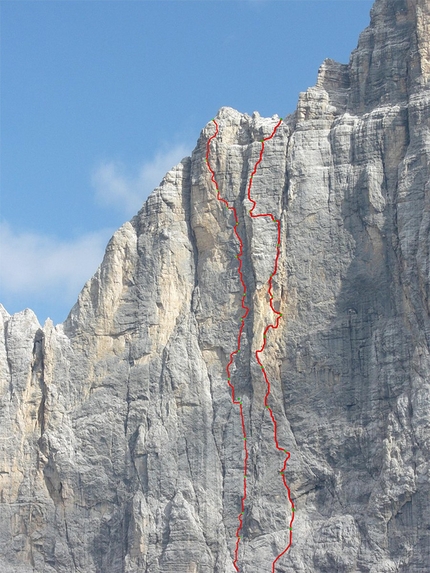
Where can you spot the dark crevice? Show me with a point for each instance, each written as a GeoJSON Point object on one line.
{"type": "Point", "coordinates": [186, 202]}
{"type": "Point", "coordinates": [9, 362]}
{"type": "Point", "coordinates": [38, 375]}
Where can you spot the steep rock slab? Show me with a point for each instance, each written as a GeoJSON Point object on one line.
{"type": "Point", "coordinates": [121, 450]}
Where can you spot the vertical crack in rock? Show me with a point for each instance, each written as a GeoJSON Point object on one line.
{"type": "Point", "coordinates": [120, 450]}
{"type": "Point", "coordinates": [38, 373]}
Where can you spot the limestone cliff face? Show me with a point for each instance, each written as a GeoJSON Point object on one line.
{"type": "Point", "coordinates": [121, 451]}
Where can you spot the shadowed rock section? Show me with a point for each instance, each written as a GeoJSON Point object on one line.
{"type": "Point", "coordinates": [120, 449]}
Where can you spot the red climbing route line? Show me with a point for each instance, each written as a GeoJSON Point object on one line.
{"type": "Point", "coordinates": [266, 330]}
{"type": "Point", "coordinates": [239, 336]}
{"type": "Point", "coordinates": [260, 350]}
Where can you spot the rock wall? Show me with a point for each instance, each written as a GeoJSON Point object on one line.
{"type": "Point", "coordinates": [121, 451]}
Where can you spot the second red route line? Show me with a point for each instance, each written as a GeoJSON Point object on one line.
{"type": "Point", "coordinates": [258, 352]}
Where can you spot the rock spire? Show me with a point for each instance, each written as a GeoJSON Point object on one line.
{"type": "Point", "coordinates": [121, 451]}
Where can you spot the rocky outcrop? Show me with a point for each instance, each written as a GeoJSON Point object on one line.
{"type": "Point", "coordinates": [121, 450]}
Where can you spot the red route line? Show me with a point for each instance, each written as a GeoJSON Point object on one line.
{"type": "Point", "coordinates": [233, 354]}
{"type": "Point", "coordinates": [260, 350]}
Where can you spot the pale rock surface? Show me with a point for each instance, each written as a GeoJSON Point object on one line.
{"type": "Point", "coordinates": [120, 449]}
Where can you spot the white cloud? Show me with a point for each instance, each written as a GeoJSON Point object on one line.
{"type": "Point", "coordinates": [36, 264]}
{"type": "Point", "coordinates": [115, 188]}
{"type": "Point", "coordinates": [47, 272]}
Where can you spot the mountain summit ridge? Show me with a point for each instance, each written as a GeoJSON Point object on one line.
{"type": "Point", "coordinates": [121, 449]}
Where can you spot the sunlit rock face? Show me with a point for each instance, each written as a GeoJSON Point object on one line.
{"type": "Point", "coordinates": [121, 451]}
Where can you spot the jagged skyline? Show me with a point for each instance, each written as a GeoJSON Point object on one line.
{"type": "Point", "coordinates": [91, 122]}
{"type": "Point", "coordinates": [119, 445]}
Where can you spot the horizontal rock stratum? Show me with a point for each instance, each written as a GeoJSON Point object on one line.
{"type": "Point", "coordinates": [121, 450]}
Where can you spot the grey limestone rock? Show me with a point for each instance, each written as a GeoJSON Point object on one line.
{"type": "Point", "coordinates": [121, 450]}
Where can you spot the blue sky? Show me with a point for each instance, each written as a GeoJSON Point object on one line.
{"type": "Point", "coordinates": [100, 98]}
